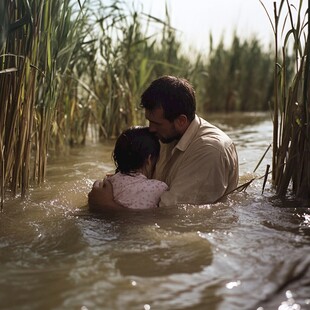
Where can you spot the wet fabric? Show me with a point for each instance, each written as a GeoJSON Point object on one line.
{"type": "Point", "coordinates": [199, 168]}
{"type": "Point", "coordinates": [136, 191]}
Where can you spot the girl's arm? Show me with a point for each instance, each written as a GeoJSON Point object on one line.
{"type": "Point", "coordinates": [100, 198]}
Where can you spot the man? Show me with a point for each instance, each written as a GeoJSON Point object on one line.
{"type": "Point", "coordinates": [197, 160]}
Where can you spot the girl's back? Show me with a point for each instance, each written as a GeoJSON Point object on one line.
{"type": "Point", "coordinates": [136, 191]}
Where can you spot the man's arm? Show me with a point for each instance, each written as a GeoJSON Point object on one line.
{"type": "Point", "coordinates": [100, 198]}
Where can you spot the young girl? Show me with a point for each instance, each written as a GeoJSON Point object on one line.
{"type": "Point", "coordinates": [135, 155]}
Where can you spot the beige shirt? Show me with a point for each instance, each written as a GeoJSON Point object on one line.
{"type": "Point", "coordinates": [199, 168]}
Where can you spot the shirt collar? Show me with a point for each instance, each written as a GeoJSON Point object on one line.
{"type": "Point", "coordinates": [188, 136]}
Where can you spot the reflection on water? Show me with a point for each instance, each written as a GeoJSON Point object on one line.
{"type": "Point", "coordinates": [251, 251]}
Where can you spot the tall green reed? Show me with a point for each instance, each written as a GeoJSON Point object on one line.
{"type": "Point", "coordinates": [17, 81]}
{"type": "Point", "coordinates": [239, 77]}
{"type": "Point", "coordinates": [291, 147]}
{"type": "Point", "coordinates": [130, 58]}
{"type": "Point", "coordinates": [38, 50]}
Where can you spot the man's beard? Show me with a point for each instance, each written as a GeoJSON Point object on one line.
{"type": "Point", "coordinates": [170, 139]}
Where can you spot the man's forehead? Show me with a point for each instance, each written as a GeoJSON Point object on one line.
{"type": "Point", "coordinates": [154, 113]}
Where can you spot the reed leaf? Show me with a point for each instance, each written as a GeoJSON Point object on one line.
{"type": "Point", "coordinates": [291, 159]}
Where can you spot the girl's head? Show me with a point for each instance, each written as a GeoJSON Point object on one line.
{"type": "Point", "coordinates": [136, 149]}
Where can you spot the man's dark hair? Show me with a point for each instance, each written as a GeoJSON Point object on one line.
{"type": "Point", "coordinates": [175, 95]}
{"type": "Point", "coordinates": [133, 147]}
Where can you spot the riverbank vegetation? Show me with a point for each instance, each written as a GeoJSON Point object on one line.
{"type": "Point", "coordinates": [70, 70]}
{"type": "Point", "coordinates": [291, 104]}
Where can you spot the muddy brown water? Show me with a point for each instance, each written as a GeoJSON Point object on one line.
{"type": "Point", "coordinates": [249, 252]}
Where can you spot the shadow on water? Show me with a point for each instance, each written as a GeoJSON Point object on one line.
{"type": "Point", "coordinates": [248, 252]}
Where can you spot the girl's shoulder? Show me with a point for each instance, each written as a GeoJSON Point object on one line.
{"type": "Point", "coordinates": [153, 183]}
{"type": "Point", "coordinates": [137, 179]}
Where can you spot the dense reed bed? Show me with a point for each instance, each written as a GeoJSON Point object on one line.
{"type": "Point", "coordinates": [291, 143]}
{"type": "Point", "coordinates": [74, 69]}
{"type": "Point", "coordinates": [40, 43]}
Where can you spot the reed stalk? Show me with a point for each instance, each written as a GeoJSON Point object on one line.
{"type": "Point", "coordinates": [291, 161]}
{"type": "Point", "coordinates": [38, 46]}
{"type": "Point", "coordinates": [239, 77]}
{"type": "Point", "coordinates": [17, 80]}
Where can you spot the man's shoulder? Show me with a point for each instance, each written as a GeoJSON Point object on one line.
{"type": "Point", "coordinates": [209, 135]}
{"type": "Point", "coordinates": [206, 129]}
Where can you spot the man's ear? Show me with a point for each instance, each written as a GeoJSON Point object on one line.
{"type": "Point", "coordinates": [149, 159]}
{"type": "Point", "coordinates": [181, 122]}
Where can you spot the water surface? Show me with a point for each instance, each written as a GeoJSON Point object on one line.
{"type": "Point", "coordinates": [249, 252]}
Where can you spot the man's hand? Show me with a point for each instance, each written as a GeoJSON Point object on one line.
{"type": "Point", "coordinates": [100, 198]}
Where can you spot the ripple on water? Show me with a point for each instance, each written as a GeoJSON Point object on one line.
{"type": "Point", "coordinates": [244, 253]}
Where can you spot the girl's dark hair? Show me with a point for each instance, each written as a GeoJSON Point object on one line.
{"type": "Point", "coordinates": [133, 147]}
{"type": "Point", "coordinates": [175, 95]}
